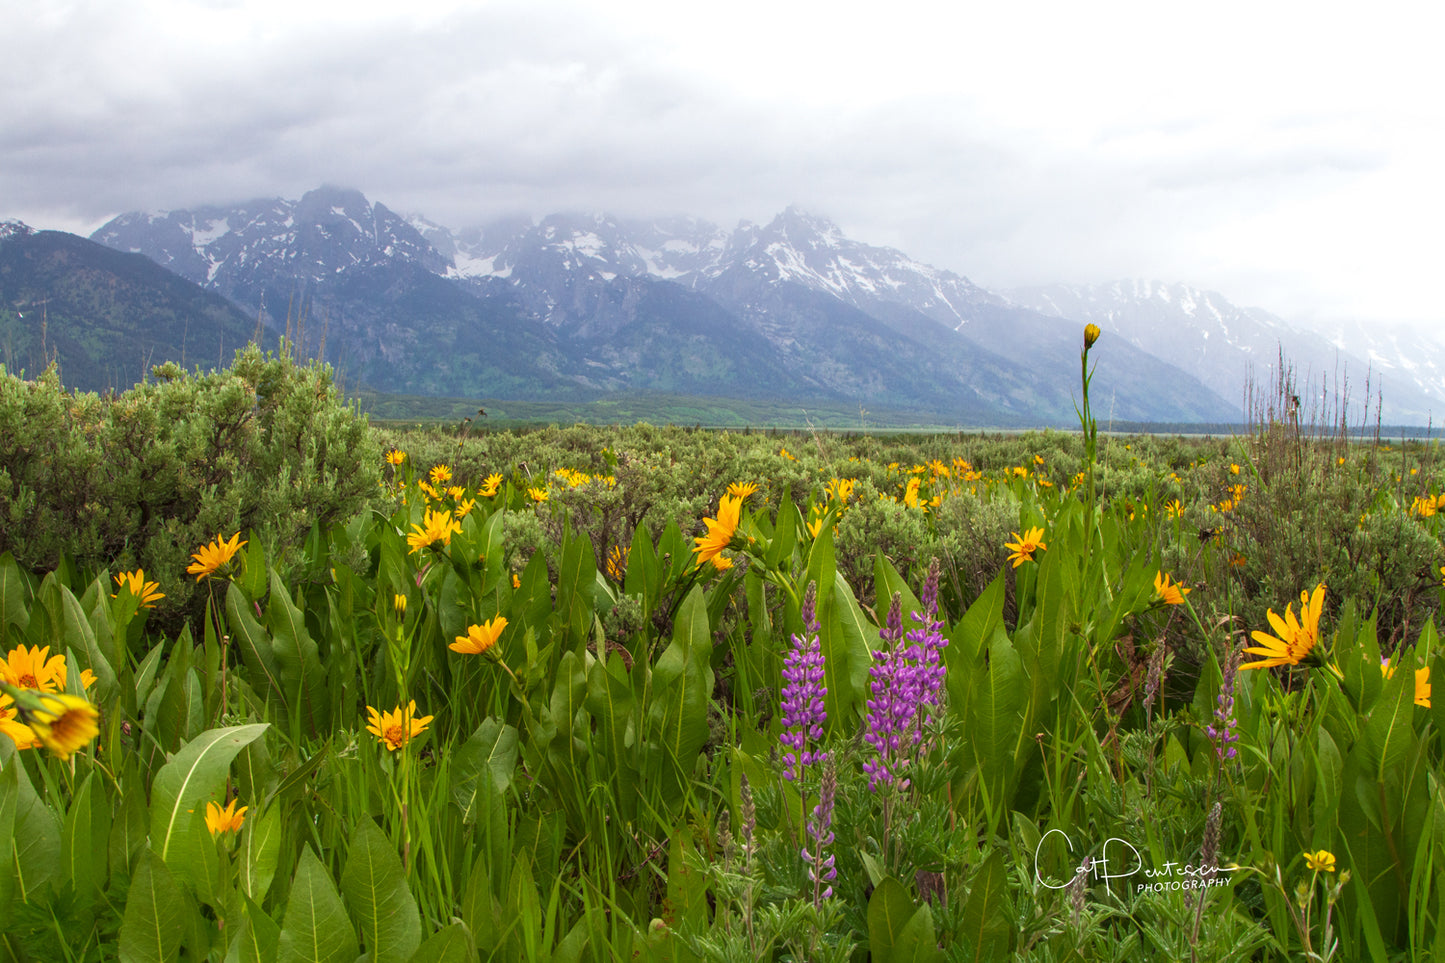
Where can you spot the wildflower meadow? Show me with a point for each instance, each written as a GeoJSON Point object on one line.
{"type": "Point", "coordinates": [276, 684]}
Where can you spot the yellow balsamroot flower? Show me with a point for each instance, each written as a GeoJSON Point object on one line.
{"type": "Point", "coordinates": [1023, 549]}
{"type": "Point", "coordinates": [398, 602]}
{"type": "Point", "coordinates": [617, 562]}
{"type": "Point", "coordinates": [464, 506]}
{"type": "Point", "coordinates": [22, 735]}
{"type": "Point", "coordinates": [1322, 861]}
{"type": "Point", "coordinates": [437, 526]}
{"type": "Point", "coordinates": [493, 482]}
{"type": "Point", "coordinates": [395, 457]}
{"type": "Point", "coordinates": [537, 495]}
{"type": "Point", "coordinates": [720, 531]}
{"type": "Point", "coordinates": [839, 490]}
{"type": "Point", "coordinates": [429, 491]}
{"type": "Point", "coordinates": [396, 728]}
{"type": "Point", "coordinates": [30, 669]}
{"type": "Point", "coordinates": [1422, 681]}
{"type": "Point", "coordinates": [1091, 334]}
{"type": "Point", "coordinates": [63, 723]}
{"type": "Point", "coordinates": [147, 592]}
{"type": "Point", "coordinates": [1174, 508]}
{"type": "Point", "coordinates": [1170, 593]}
{"type": "Point", "coordinates": [440, 474]}
{"type": "Point", "coordinates": [1294, 640]}
{"type": "Point", "coordinates": [214, 555]}
{"type": "Point", "coordinates": [479, 638]}
{"type": "Point", "coordinates": [742, 490]}
{"type": "Point", "coordinates": [227, 820]}
{"type": "Point", "coordinates": [910, 496]}
{"type": "Point", "coordinates": [1424, 507]}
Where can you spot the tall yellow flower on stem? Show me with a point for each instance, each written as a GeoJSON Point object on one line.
{"type": "Point", "coordinates": [437, 526]}
{"type": "Point", "coordinates": [135, 582]}
{"type": "Point", "coordinates": [1170, 593]}
{"type": "Point", "coordinates": [396, 728]}
{"type": "Point", "coordinates": [1322, 861]}
{"type": "Point", "coordinates": [31, 669]}
{"type": "Point", "coordinates": [1023, 548]}
{"type": "Point", "coordinates": [720, 532]}
{"type": "Point", "coordinates": [214, 555]}
{"type": "Point", "coordinates": [1294, 640]}
{"type": "Point", "coordinates": [62, 723]}
{"type": "Point", "coordinates": [742, 490]}
{"type": "Point", "coordinates": [227, 820]}
{"type": "Point", "coordinates": [480, 639]}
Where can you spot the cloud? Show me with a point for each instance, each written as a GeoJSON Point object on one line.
{"type": "Point", "coordinates": [1223, 145]}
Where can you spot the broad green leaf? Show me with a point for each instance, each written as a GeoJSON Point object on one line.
{"type": "Point", "coordinates": [297, 658]}
{"type": "Point", "coordinates": [258, 936]}
{"type": "Point", "coordinates": [575, 577]}
{"type": "Point", "coordinates": [14, 590]}
{"type": "Point", "coordinates": [481, 909]}
{"type": "Point", "coordinates": [79, 639]}
{"type": "Point", "coordinates": [889, 909]}
{"type": "Point", "coordinates": [87, 826]}
{"type": "Point", "coordinates": [128, 829]}
{"type": "Point", "coordinates": [194, 776]}
{"type": "Point", "coordinates": [987, 930]}
{"type": "Point", "coordinates": [889, 583]}
{"type": "Point", "coordinates": [916, 942]}
{"type": "Point", "coordinates": [155, 914]}
{"type": "Point", "coordinates": [611, 704]}
{"type": "Point", "coordinates": [316, 928]}
{"type": "Point", "coordinates": [682, 686]}
{"type": "Point", "coordinates": [1390, 732]}
{"type": "Point", "coordinates": [995, 718]}
{"type": "Point", "coordinates": [847, 655]}
{"type": "Point", "coordinates": [247, 634]}
{"type": "Point", "coordinates": [258, 851]}
{"type": "Point", "coordinates": [9, 802]}
{"type": "Point", "coordinates": [373, 884]}
{"type": "Point", "coordinates": [451, 944]}
{"type": "Point", "coordinates": [491, 753]}
{"type": "Point", "coordinates": [35, 850]}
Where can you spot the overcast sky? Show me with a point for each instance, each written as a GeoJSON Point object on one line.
{"type": "Point", "coordinates": [1288, 155]}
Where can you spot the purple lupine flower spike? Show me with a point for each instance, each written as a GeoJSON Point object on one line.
{"type": "Point", "coordinates": [821, 871]}
{"type": "Point", "coordinates": [803, 692]}
{"type": "Point", "coordinates": [907, 686]}
{"type": "Point", "coordinates": [889, 709]}
{"type": "Point", "coordinates": [1222, 732]}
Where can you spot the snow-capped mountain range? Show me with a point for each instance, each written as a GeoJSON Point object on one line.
{"type": "Point", "coordinates": [1228, 346]}
{"type": "Point", "coordinates": [792, 307]}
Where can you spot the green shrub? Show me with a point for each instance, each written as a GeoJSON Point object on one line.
{"type": "Point", "coordinates": [144, 478]}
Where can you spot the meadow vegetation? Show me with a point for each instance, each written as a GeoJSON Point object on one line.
{"type": "Point", "coordinates": [278, 685]}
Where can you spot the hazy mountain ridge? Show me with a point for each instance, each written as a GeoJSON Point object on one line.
{"type": "Point", "coordinates": [590, 302]}
{"type": "Point", "coordinates": [1225, 345]}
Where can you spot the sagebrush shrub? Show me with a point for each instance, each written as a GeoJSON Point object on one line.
{"type": "Point", "coordinates": [145, 477]}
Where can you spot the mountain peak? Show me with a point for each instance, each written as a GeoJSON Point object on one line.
{"type": "Point", "coordinates": [12, 228]}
